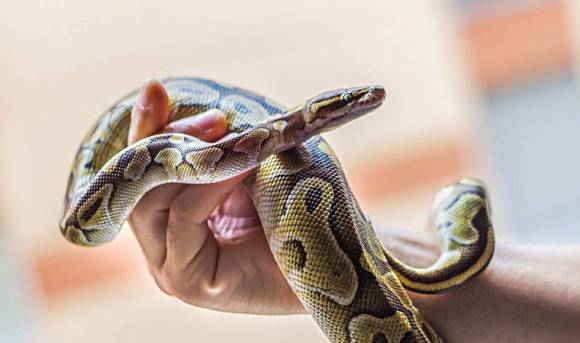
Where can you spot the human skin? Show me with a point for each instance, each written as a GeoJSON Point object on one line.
{"type": "Point", "coordinates": [204, 244]}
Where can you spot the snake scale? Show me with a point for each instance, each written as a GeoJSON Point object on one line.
{"type": "Point", "coordinates": [323, 243]}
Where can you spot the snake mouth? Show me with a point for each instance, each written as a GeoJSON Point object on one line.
{"type": "Point", "coordinates": [362, 111]}
{"type": "Point", "coordinates": [338, 121]}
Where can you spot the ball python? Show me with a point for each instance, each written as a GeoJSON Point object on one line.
{"type": "Point", "coordinates": [321, 239]}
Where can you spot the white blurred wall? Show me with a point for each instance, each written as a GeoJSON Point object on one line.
{"type": "Point", "coordinates": [63, 62]}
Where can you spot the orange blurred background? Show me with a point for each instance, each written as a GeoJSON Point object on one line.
{"type": "Point", "coordinates": [487, 89]}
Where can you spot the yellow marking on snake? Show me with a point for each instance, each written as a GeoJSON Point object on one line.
{"type": "Point", "coordinates": [280, 125]}
{"type": "Point", "coordinates": [368, 328]}
{"type": "Point", "coordinates": [177, 139]}
{"type": "Point", "coordinates": [204, 161]}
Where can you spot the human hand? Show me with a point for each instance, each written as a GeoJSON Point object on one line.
{"type": "Point", "coordinates": [204, 244]}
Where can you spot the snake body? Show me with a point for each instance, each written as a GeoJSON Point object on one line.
{"type": "Point", "coordinates": [321, 239]}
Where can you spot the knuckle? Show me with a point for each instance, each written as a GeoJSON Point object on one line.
{"type": "Point", "coordinates": [157, 276]}
{"type": "Point", "coordinates": [160, 283]}
{"type": "Point", "coordinates": [182, 285]}
{"type": "Point", "coordinates": [177, 283]}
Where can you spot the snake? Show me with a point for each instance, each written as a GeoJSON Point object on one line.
{"type": "Point", "coordinates": [322, 241]}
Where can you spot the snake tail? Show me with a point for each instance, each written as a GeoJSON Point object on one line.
{"type": "Point", "coordinates": [461, 216]}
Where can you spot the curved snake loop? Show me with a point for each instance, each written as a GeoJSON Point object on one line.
{"type": "Point", "coordinates": [322, 241]}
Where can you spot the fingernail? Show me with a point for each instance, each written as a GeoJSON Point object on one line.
{"type": "Point", "coordinates": [144, 100]}
{"type": "Point", "coordinates": [207, 121]}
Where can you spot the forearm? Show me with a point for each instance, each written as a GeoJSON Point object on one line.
{"type": "Point", "coordinates": [527, 294]}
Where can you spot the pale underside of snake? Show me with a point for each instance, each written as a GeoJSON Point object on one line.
{"type": "Point", "coordinates": [322, 241]}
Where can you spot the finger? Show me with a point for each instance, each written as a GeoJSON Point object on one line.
{"type": "Point", "coordinates": [148, 221]}
{"type": "Point", "coordinates": [187, 229]}
{"type": "Point", "coordinates": [209, 126]}
{"type": "Point", "coordinates": [151, 112]}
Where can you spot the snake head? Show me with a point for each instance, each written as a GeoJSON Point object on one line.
{"type": "Point", "coordinates": [331, 109]}
{"type": "Point", "coordinates": [323, 113]}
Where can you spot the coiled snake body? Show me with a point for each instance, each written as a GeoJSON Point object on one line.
{"type": "Point", "coordinates": [322, 241]}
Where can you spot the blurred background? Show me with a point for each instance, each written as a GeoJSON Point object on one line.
{"type": "Point", "coordinates": [475, 88]}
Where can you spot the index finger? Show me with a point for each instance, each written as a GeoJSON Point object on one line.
{"type": "Point", "coordinates": [151, 112]}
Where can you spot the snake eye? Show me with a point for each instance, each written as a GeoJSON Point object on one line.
{"type": "Point", "coordinates": [347, 97]}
